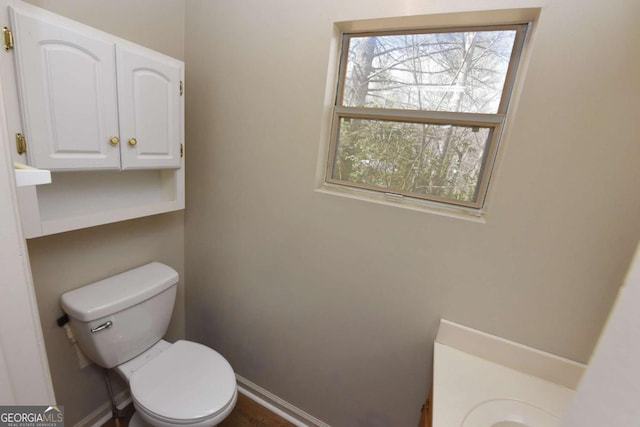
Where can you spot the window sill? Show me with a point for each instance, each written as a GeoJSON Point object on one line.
{"type": "Point", "coordinates": [425, 206]}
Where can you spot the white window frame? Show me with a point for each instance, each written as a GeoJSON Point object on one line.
{"type": "Point", "coordinates": [494, 122]}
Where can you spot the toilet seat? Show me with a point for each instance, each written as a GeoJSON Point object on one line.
{"type": "Point", "coordinates": [187, 384]}
{"type": "Point", "coordinates": [146, 418]}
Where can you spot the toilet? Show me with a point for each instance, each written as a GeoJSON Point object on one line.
{"type": "Point", "coordinates": [119, 323]}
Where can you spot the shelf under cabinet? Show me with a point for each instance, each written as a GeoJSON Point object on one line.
{"type": "Point", "coordinates": [77, 200]}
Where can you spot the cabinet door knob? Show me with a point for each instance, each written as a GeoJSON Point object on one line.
{"type": "Point", "coordinates": [132, 141]}
{"type": "Point", "coordinates": [114, 140]}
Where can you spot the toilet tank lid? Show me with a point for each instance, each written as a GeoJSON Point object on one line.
{"type": "Point", "coordinates": [118, 292]}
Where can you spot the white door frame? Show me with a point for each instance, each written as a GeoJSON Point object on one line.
{"type": "Point", "coordinates": [24, 370]}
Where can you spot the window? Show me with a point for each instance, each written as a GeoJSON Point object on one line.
{"type": "Point", "coordinates": [419, 114]}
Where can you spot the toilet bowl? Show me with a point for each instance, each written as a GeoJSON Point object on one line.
{"type": "Point", "coordinates": [508, 413]}
{"type": "Point", "coordinates": [119, 323]}
{"type": "Point", "coordinates": [200, 383]}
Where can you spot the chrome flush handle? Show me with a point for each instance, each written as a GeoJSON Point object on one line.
{"type": "Point", "coordinates": [105, 325]}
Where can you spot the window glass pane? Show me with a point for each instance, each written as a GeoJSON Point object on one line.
{"type": "Point", "coordinates": [456, 71]}
{"type": "Point", "coordinates": [402, 157]}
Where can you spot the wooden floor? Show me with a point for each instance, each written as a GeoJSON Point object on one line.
{"type": "Point", "coordinates": [247, 413]}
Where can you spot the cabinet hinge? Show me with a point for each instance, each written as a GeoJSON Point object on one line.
{"type": "Point", "coordinates": [181, 88]}
{"type": "Point", "coordinates": [21, 143]}
{"type": "Point", "coordinates": [7, 38]}
{"type": "Point", "coordinates": [181, 150]}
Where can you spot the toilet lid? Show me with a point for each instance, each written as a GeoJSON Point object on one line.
{"type": "Point", "coordinates": [188, 381]}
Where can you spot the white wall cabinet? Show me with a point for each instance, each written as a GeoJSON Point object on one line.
{"type": "Point", "coordinates": [78, 89]}
{"type": "Point", "coordinates": [149, 92]}
{"type": "Point", "coordinates": [92, 101]}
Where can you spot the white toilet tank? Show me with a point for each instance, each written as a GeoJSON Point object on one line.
{"type": "Point", "coordinates": [118, 318]}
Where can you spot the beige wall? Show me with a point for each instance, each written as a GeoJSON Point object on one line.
{"type": "Point", "coordinates": [333, 303]}
{"type": "Point", "coordinates": [69, 260]}
{"type": "Point", "coordinates": [156, 24]}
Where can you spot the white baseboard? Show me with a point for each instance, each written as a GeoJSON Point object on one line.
{"type": "Point", "coordinates": [277, 405]}
{"type": "Point", "coordinates": [102, 413]}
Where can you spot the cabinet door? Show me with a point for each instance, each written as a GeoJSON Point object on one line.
{"type": "Point", "coordinates": [150, 108]}
{"type": "Point", "coordinates": [66, 74]}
